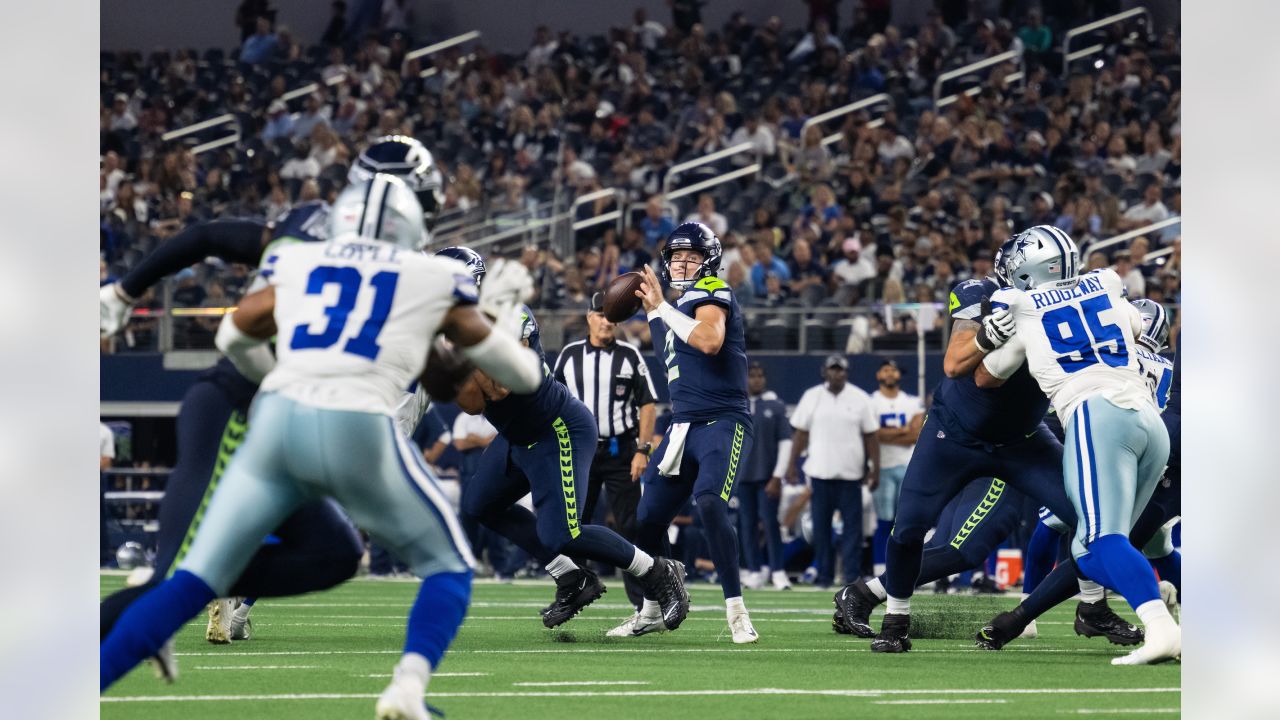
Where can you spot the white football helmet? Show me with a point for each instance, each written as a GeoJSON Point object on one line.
{"type": "Point", "coordinates": [1042, 257]}
{"type": "Point", "coordinates": [381, 208]}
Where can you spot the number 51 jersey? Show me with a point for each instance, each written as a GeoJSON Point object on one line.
{"type": "Point", "coordinates": [1078, 342]}
{"type": "Point", "coordinates": [355, 320]}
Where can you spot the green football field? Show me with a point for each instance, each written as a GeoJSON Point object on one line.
{"type": "Point", "coordinates": [328, 655]}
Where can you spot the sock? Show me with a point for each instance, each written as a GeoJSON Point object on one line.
{"type": "Point", "coordinates": [879, 540]}
{"type": "Point", "coordinates": [249, 601]}
{"type": "Point", "coordinates": [414, 669]}
{"type": "Point", "coordinates": [722, 542]}
{"type": "Point", "coordinates": [597, 542]}
{"type": "Point", "coordinates": [150, 621]}
{"type": "Point", "coordinates": [641, 563]}
{"type": "Point", "coordinates": [651, 610]}
{"type": "Point", "coordinates": [898, 606]}
{"type": "Point", "coordinates": [242, 613]}
{"type": "Point", "coordinates": [904, 560]}
{"type": "Point", "coordinates": [940, 562]}
{"type": "Point", "coordinates": [1057, 588]}
{"type": "Point", "coordinates": [877, 587]}
{"type": "Point", "coordinates": [1092, 592]}
{"type": "Point", "coordinates": [1170, 568]}
{"type": "Point", "coordinates": [1152, 611]}
{"type": "Point", "coordinates": [562, 565]}
{"type": "Point", "coordinates": [1041, 552]}
{"type": "Point", "coordinates": [734, 605]}
{"type": "Point", "coordinates": [1118, 565]}
{"type": "Point", "coordinates": [436, 614]}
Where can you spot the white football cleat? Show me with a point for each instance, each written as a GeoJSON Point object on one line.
{"type": "Point", "coordinates": [780, 580]}
{"type": "Point", "coordinates": [218, 631]}
{"type": "Point", "coordinates": [751, 579]}
{"type": "Point", "coordinates": [164, 663]}
{"type": "Point", "coordinates": [402, 700]}
{"type": "Point", "coordinates": [740, 626]}
{"type": "Point", "coordinates": [637, 625]}
{"type": "Point", "coordinates": [1169, 594]}
{"type": "Point", "coordinates": [1030, 631]}
{"type": "Point", "coordinates": [1163, 642]}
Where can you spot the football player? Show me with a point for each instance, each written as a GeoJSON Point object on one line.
{"type": "Point", "coordinates": [1078, 336]}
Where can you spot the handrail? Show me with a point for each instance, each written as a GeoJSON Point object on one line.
{"type": "Point", "coordinates": [751, 169]}
{"type": "Point", "coordinates": [429, 72]}
{"type": "Point", "coordinates": [700, 161]}
{"type": "Point", "coordinates": [615, 214]}
{"type": "Point", "coordinates": [1007, 56]}
{"type": "Point", "coordinates": [197, 127]}
{"type": "Point", "coordinates": [1157, 254]}
{"type": "Point", "coordinates": [1068, 56]}
{"type": "Point", "coordinates": [442, 45]}
{"type": "Point", "coordinates": [841, 111]}
{"type": "Point", "coordinates": [1099, 244]}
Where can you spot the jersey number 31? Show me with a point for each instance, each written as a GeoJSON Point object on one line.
{"type": "Point", "coordinates": [348, 280]}
{"type": "Point", "coordinates": [1078, 347]}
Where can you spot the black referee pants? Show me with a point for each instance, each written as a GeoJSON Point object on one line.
{"type": "Point", "coordinates": [611, 470]}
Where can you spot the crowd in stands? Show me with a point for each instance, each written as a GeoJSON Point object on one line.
{"type": "Point", "coordinates": [892, 212]}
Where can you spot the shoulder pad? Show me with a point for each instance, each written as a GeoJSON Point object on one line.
{"type": "Point", "coordinates": [965, 302]}
{"type": "Point", "coordinates": [711, 283]}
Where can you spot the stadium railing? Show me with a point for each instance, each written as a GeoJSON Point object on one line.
{"type": "Point", "coordinates": [1011, 56]}
{"type": "Point", "coordinates": [878, 99]}
{"type": "Point", "coordinates": [1068, 56]}
{"type": "Point", "coordinates": [227, 120]}
{"type": "Point", "coordinates": [679, 168]}
{"type": "Point", "coordinates": [1128, 236]}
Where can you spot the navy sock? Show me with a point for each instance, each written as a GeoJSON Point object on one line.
{"type": "Point", "coordinates": [437, 614]}
{"type": "Point", "coordinates": [904, 560]}
{"type": "Point", "coordinates": [518, 525]}
{"type": "Point", "coordinates": [248, 602]}
{"type": "Point", "coordinates": [1057, 587]}
{"type": "Point", "coordinates": [941, 562]}
{"type": "Point", "coordinates": [722, 542]}
{"type": "Point", "coordinates": [1041, 552]}
{"type": "Point", "coordinates": [597, 542]}
{"type": "Point", "coordinates": [1170, 568]}
{"type": "Point", "coordinates": [879, 540]}
{"type": "Point", "coordinates": [150, 621]}
{"type": "Point", "coordinates": [1117, 564]}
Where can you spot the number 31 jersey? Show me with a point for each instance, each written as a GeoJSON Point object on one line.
{"type": "Point", "coordinates": [355, 320]}
{"type": "Point", "coordinates": [1078, 342]}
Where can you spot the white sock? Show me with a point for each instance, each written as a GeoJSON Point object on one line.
{"type": "Point", "coordinates": [877, 587]}
{"type": "Point", "coordinates": [641, 563]}
{"type": "Point", "coordinates": [562, 565]}
{"type": "Point", "coordinates": [651, 610]}
{"type": "Point", "coordinates": [1092, 592]}
{"type": "Point", "coordinates": [734, 605]}
{"type": "Point", "coordinates": [1153, 611]}
{"type": "Point", "coordinates": [898, 606]}
{"type": "Point", "coordinates": [242, 612]}
{"type": "Point", "coordinates": [415, 669]}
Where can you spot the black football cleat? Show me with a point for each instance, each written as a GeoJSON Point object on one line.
{"type": "Point", "coordinates": [854, 603]}
{"type": "Point", "coordinates": [574, 591]}
{"type": "Point", "coordinates": [1003, 629]}
{"type": "Point", "coordinates": [665, 584]}
{"type": "Point", "coordinates": [893, 635]}
{"type": "Point", "coordinates": [1098, 619]}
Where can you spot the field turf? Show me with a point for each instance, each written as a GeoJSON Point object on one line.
{"type": "Point", "coordinates": [328, 655]}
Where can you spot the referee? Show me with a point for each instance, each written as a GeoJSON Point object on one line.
{"type": "Point", "coordinates": [611, 378]}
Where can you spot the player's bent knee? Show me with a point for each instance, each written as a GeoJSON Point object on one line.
{"type": "Point", "coordinates": [908, 534]}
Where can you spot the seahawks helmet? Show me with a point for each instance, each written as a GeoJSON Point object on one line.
{"type": "Point", "coordinates": [411, 161]}
{"type": "Point", "coordinates": [699, 238]}
{"type": "Point", "coordinates": [1155, 324]}
{"type": "Point", "coordinates": [382, 208]}
{"type": "Point", "coordinates": [469, 257]}
{"type": "Point", "coordinates": [1002, 258]}
{"type": "Point", "coordinates": [1042, 257]}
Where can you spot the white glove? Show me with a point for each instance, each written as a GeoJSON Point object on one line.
{"type": "Point", "coordinates": [507, 283]}
{"type": "Point", "coordinates": [113, 308]}
{"type": "Point", "coordinates": [996, 330]}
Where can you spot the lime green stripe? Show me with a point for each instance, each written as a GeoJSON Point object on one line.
{"type": "Point", "coordinates": [735, 454]}
{"type": "Point", "coordinates": [232, 436]}
{"type": "Point", "coordinates": [979, 513]}
{"type": "Point", "coordinates": [566, 477]}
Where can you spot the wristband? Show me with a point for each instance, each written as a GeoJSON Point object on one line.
{"type": "Point", "coordinates": [978, 339]}
{"type": "Point", "coordinates": [679, 323]}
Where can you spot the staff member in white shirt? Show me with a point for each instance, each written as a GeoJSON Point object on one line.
{"type": "Point", "coordinates": [901, 415]}
{"type": "Point", "coordinates": [844, 452]}
{"type": "Point", "coordinates": [106, 456]}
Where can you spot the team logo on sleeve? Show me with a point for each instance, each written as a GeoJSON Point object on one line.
{"type": "Point", "coordinates": [464, 286]}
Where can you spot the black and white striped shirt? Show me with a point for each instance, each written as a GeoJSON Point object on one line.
{"type": "Point", "coordinates": [613, 382]}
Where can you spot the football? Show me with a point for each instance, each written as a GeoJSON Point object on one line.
{"type": "Point", "coordinates": [446, 370]}
{"type": "Point", "coordinates": [620, 301]}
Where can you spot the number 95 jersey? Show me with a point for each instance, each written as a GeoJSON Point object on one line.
{"type": "Point", "coordinates": [1078, 342]}
{"type": "Point", "coordinates": [355, 320]}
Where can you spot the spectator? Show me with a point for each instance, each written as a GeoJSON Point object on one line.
{"type": "Point", "coordinates": [767, 264]}
{"type": "Point", "coordinates": [397, 16]}
{"type": "Point", "coordinates": [259, 47]}
{"type": "Point", "coordinates": [808, 276]}
{"type": "Point", "coordinates": [315, 114]}
{"type": "Point", "coordinates": [279, 122]}
{"type": "Point", "coordinates": [685, 14]}
{"type": "Point", "coordinates": [707, 215]}
{"type": "Point", "coordinates": [1150, 210]}
{"type": "Point", "coordinates": [821, 215]}
{"type": "Point", "coordinates": [540, 52]}
{"type": "Point", "coordinates": [835, 422]}
{"type": "Point", "coordinates": [122, 118]}
{"type": "Point", "coordinates": [853, 268]}
{"type": "Point", "coordinates": [335, 32]}
{"type": "Point", "coordinates": [301, 166]}
{"type": "Point", "coordinates": [761, 484]}
{"type": "Point", "coordinates": [1097, 261]}
{"type": "Point", "coordinates": [633, 256]}
{"type": "Point", "coordinates": [650, 32]}
{"type": "Point", "coordinates": [759, 135]}
{"type": "Point", "coordinates": [247, 15]}
{"type": "Point", "coordinates": [813, 161]}
{"type": "Point", "coordinates": [892, 145]}
{"type": "Point", "coordinates": [655, 225]}
{"type": "Point", "coordinates": [1134, 284]}
{"type": "Point", "coordinates": [901, 416]}
{"type": "Point", "coordinates": [1036, 37]}
{"type": "Point", "coordinates": [106, 456]}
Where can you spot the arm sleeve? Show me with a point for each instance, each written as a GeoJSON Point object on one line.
{"type": "Point", "coordinates": [1004, 361]}
{"type": "Point", "coordinates": [236, 241]}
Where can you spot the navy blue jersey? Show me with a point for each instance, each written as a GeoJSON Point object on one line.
{"type": "Point", "coordinates": [1175, 391]}
{"type": "Point", "coordinates": [1000, 415]}
{"type": "Point", "coordinates": [522, 419]}
{"type": "Point", "coordinates": [706, 387]}
{"type": "Point", "coordinates": [305, 222]}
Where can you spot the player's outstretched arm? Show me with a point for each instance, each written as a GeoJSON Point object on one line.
{"type": "Point", "coordinates": [1000, 364]}
{"type": "Point", "coordinates": [499, 355]}
{"type": "Point", "coordinates": [705, 331]}
{"type": "Point", "coordinates": [243, 334]}
{"type": "Point", "coordinates": [963, 354]}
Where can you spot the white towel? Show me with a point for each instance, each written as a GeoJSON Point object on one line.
{"type": "Point", "coordinates": [670, 464]}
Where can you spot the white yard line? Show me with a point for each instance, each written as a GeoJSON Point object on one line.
{"type": "Point", "coordinates": [945, 701]}
{"type": "Point", "coordinates": [850, 647]}
{"type": "Point", "coordinates": [1121, 711]}
{"type": "Point", "coordinates": [258, 667]}
{"type": "Point", "coordinates": [573, 683]}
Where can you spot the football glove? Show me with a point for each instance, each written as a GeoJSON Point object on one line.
{"type": "Point", "coordinates": [997, 328]}
{"type": "Point", "coordinates": [113, 308]}
{"type": "Point", "coordinates": [508, 283]}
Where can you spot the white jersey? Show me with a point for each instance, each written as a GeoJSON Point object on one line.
{"type": "Point", "coordinates": [355, 320]}
{"type": "Point", "coordinates": [1078, 342]}
{"type": "Point", "coordinates": [895, 412]}
{"type": "Point", "coordinates": [1157, 370]}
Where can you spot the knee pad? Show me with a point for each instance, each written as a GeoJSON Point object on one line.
{"type": "Point", "coordinates": [908, 535]}
{"type": "Point", "coordinates": [711, 507]}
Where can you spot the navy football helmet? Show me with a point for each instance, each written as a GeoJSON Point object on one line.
{"type": "Point", "coordinates": [469, 257]}
{"type": "Point", "coordinates": [1001, 260]}
{"type": "Point", "coordinates": [411, 161]}
{"type": "Point", "coordinates": [699, 238]}
{"type": "Point", "coordinates": [1155, 324]}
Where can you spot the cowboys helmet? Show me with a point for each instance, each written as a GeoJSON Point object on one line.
{"type": "Point", "coordinates": [131, 555]}
{"type": "Point", "coordinates": [1155, 324]}
{"type": "Point", "coordinates": [382, 208]}
{"type": "Point", "coordinates": [411, 161]}
{"type": "Point", "coordinates": [1042, 257]}
{"type": "Point", "coordinates": [699, 238]}
{"type": "Point", "coordinates": [469, 257]}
